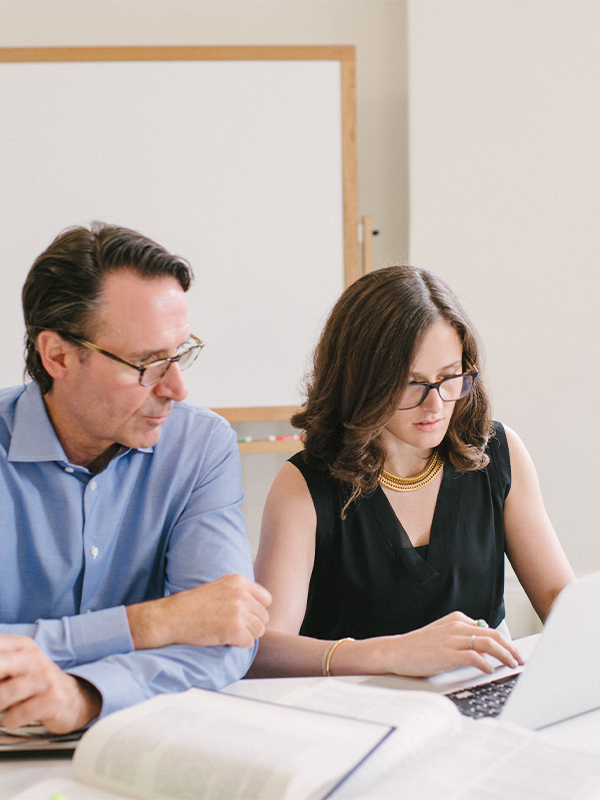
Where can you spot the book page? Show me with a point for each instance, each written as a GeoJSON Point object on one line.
{"type": "Point", "coordinates": [201, 744]}
{"type": "Point", "coordinates": [488, 760]}
{"type": "Point", "coordinates": [419, 718]}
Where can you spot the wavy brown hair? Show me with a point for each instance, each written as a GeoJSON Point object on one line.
{"type": "Point", "coordinates": [362, 364]}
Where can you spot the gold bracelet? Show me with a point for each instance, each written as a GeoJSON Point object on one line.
{"type": "Point", "coordinates": [326, 660]}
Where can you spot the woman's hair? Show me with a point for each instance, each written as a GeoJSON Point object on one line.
{"type": "Point", "coordinates": [362, 364]}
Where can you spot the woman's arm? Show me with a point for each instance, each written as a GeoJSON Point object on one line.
{"type": "Point", "coordinates": [284, 565]}
{"type": "Point", "coordinates": [532, 545]}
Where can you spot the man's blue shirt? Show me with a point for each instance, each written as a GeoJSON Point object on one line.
{"type": "Point", "coordinates": [77, 547]}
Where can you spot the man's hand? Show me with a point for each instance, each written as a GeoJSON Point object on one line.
{"type": "Point", "coordinates": [34, 689]}
{"type": "Point", "coordinates": [230, 610]}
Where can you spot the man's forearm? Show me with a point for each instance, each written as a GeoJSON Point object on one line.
{"type": "Point", "coordinates": [148, 623]}
{"type": "Point", "coordinates": [231, 610]}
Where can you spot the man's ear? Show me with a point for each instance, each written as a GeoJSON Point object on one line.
{"type": "Point", "coordinates": [54, 352]}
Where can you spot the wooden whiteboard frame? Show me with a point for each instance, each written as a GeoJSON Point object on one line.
{"type": "Point", "coordinates": [344, 54]}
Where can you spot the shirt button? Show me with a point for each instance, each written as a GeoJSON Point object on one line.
{"type": "Point", "coordinates": [69, 469]}
{"type": "Point", "coordinates": [94, 551]}
{"type": "Point", "coordinates": [93, 486]}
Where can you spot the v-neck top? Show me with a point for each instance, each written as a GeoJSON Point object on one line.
{"type": "Point", "coordinates": [369, 580]}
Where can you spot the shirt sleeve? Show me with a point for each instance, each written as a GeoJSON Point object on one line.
{"type": "Point", "coordinates": [209, 540]}
{"type": "Point", "coordinates": [78, 639]}
{"type": "Point", "coordinates": [123, 680]}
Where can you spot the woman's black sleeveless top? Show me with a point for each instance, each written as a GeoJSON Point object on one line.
{"type": "Point", "coordinates": [368, 579]}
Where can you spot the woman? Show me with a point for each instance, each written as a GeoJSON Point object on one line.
{"type": "Point", "coordinates": [383, 543]}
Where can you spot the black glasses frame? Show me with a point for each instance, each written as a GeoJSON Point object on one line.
{"type": "Point", "coordinates": [198, 345]}
{"type": "Point", "coordinates": [427, 387]}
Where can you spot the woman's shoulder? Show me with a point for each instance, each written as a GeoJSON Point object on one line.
{"type": "Point", "coordinates": [498, 436]}
{"type": "Point", "coordinates": [329, 495]}
{"type": "Point", "coordinates": [289, 494]}
{"type": "Point", "coordinates": [318, 479]}
{"type": "Point", "coordinates": [310, 469]}
{"type": "Point", "coordinates": [498, 451]}
{"type": "Point", "coordinates": [503, 438]}
{"type": "Point", "coordinates": [506, 452]}
{"type": "Point", "coordinates": [298, 460]}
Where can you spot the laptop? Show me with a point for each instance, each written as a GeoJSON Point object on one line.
{"type": "Point", "coordinates": [561, 677]}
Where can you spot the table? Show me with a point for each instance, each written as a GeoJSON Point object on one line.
{"type": "Point", "coordinates": [18, 772]}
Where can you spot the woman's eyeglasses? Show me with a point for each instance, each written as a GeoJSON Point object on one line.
{"type": "Point", "coordinates": [450, 389]}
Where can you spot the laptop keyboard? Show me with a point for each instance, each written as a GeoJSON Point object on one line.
{"type": "Point", "coordinates": [485, 700]}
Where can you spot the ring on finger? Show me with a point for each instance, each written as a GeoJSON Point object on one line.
{"type": "Point", "coordinates": [471, 640]}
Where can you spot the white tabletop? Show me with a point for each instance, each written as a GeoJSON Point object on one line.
{"type": "Point", "coordinates": [18, 772]}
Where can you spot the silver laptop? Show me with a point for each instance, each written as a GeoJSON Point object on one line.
{"type": "Point", "coordinates": [562, 676]}
{"type": "Point", "coordinates": [560, 679]}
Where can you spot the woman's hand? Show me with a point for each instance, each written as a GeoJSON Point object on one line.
{"type": "Point", "coordinates": [452, 641]}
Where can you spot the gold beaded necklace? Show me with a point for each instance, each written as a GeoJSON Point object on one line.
{"type": "Point", "coordinates": [398, 484]}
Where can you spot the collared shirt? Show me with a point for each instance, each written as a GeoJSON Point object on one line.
{"type": "Point", "coordinates": [76, 548]}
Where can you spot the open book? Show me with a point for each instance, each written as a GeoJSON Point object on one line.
{"type": "Point", "coordinates": [411, 744]}
{"type": "Point", "coordinates": [202, 744]}
{"type": "Point", "coordinates": [435, 752]}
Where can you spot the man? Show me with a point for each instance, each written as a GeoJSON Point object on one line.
{"type": "Point", "coordinates": [125, 568]}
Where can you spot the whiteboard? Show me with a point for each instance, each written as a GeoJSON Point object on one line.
{"type": "Point", "coordinates": [237, 165]}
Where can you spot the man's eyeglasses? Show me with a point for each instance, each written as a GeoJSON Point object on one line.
{"type": "Point", "coordinates": [153, 372]}
{"type": "Point", "coordinates": [450, 389]}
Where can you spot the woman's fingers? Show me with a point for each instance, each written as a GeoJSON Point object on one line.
{"type": "Point", "coordinates": [453, 641]}
{"type": "Point", "coordinates": [494, 644]}
{"type": "Point", "coordinates": [479, 636]}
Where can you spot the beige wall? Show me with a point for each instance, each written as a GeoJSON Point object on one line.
{"type": "Point", "coordinates": [505, 195]}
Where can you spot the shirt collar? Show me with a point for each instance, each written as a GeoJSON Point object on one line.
{"type": "Point", "coordinates": [33, 437]}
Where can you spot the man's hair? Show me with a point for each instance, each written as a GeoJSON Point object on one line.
{"type": "Point", "coordinates": [362, 364]}
{"type": "Point", "coordinates": [64, 286]}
